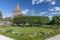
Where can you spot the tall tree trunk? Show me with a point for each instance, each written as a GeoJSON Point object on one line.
{"type": "Point", "coordinates": [24, 24]}
{"type": "Point", "coordinates": [31, 24]}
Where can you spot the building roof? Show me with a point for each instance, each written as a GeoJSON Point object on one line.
{"type": "Point", "coordinates": [17, 9]}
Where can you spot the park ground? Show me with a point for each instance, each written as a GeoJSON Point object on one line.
{"type": "Point", "coordinates": [27, 33]}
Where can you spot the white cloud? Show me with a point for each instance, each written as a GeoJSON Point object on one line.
{"type": "Point", "coordinates": [25, 11]}
{"type": "Point", "coordinates": [33, 2]}
{"type": "Point", "coordinates": [53, 2]}
{"type": "Point", "coordinates": [32, 11]}
{"type": "Point", "coordinates": [33, 14]}
{"type": "Point", "coordinates": [57, 8]}
{"type": "Point", "coordinates": [48, 0]}
{"type": "Point", "coordinates": [50, 17]}
{"type": "Point", "coordinates": [42, 13]}
{"type": "Point", "coordinates": [51, 12]}
{"type": "Point", "coordinates": [55, 11]}
{"type": "Point", "coordinates": [37, 1]}
{"type": "Point", "coordinates": [41, 1]}
{"type": "Point", "coordinates": [51, 9]}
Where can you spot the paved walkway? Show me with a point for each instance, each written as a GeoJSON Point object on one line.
{"type": "Point", "coordinates": [57, 37]}
{"type": "Point", "coordinates": [5, 38]}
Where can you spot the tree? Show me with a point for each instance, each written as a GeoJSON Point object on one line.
{"type": "Point", "coordinates": [32, 20]}
{"type": "Point", "coordinates": [56, 20]}
{"type": "Point", "coordinates": [0, 15]}
{"type": "Point", "coordinates": [44, 20]}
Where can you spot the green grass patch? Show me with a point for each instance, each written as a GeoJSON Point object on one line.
{"type": "Point", "coordinates": [29, 30]}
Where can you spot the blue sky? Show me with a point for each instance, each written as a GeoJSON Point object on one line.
{"type": "Point", "coordinates": [31, 7]}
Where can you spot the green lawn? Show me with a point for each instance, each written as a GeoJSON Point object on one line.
{"type": "Point", "coordinates": [28, 31]}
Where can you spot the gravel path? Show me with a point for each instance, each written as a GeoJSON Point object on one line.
{"type": "Point", "coordinates": [57, 37]}
{"type": "Point", "coordinates": [2, 37]}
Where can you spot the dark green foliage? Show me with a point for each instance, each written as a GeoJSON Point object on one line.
{"type": "Point", "coordinates": [56, 20]}
{"type": "Point", "coordinates": [0, 15]}
{"type": "Point", "coordinates": [32, 20]}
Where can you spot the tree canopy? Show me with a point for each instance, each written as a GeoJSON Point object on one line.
{"type": "Point", "coordinates": [31, 19]}
{"type": "Point", "coordinates": [0, 15]}
{"type": "Point", "coordinates": [56, 20]}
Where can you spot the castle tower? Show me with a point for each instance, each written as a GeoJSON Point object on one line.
{"type": "Point", "coordinates": [17, 11]}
